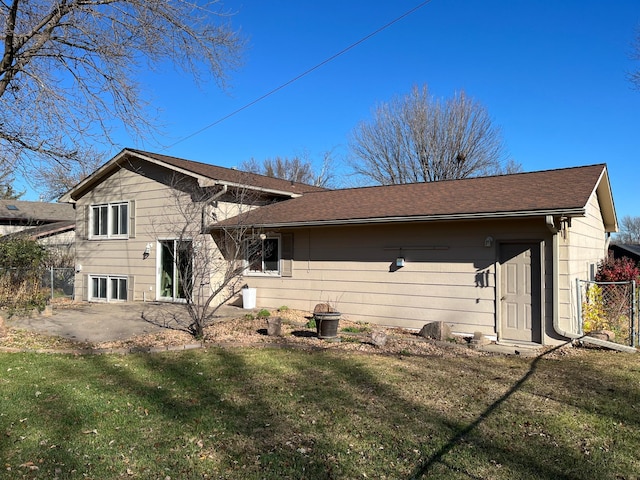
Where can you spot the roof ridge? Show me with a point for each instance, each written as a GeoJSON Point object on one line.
{"type": "Point", "coordinates": [467, 179]}
{"type": "Point", "coordinates": [230, 169]}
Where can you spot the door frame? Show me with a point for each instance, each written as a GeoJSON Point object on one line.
{"type": "Point", "coordinates": [159, 270]}
{"type": "Point", "coordinates": [537, 325]}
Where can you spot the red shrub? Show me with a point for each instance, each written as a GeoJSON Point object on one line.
{"type": "Point", "coordinates": [617, 270]}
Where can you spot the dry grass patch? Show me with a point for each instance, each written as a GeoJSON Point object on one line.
{"type": "Point", "coordinates": [274, 413]}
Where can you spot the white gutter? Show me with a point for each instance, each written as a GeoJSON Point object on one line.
{"type": "Point", "coordinates": [556, 298]}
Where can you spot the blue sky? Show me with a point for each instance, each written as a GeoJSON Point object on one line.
{"type": "Point", "coordinates": [552, 74]}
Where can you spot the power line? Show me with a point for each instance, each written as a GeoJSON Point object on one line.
{"type": "Point", "coordinates": [303, 74]}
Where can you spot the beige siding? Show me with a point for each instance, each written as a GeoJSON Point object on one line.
{"type": "Point", "coordinates": [156, 217]}
{"type": "Point", "coordinates": [449, 274]}
{"type": "Point", "coordinates": [582, 245]}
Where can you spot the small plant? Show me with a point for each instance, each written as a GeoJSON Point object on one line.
{"type": "Point", "coordinates": [283, 308]}
{"type": "Point", "coordinates": [356, 329]}
{"type": "Point", "coordinates": [249, 316]}
{"type": "Point", "coordinates": [264, 313]}
{"type": "Point", "coordinates": [312, 323]}
{"type": "Point", "coordinates": [21, 263]}
{"type": "Point", "coordinates": [593, 311]}
{"type": "Point", "coordinates": [349, 339]}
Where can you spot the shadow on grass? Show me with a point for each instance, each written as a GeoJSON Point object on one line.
{"type": "Point", "coordinates": [438, 456]}
{"type": "Point", "coordinates": [278, 413]}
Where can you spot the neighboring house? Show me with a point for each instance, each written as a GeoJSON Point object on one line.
{"type": "Point", "coordinates": [619, 250]}
{"type": "Point", "coordinates": [51, 224]}
{"type": "Point", "coordinates": [17, 215]}
{"type": "Point", "coordinates": [497, 255]}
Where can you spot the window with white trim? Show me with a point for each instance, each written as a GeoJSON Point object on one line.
{"type": "Point", "coordinates": [110, 220]}
{"type": "Point", "coordinates": [263, 255]}
{"type": "Point", "coordinates": [108, 288]}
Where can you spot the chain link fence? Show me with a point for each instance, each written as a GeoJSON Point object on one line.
{"type": "Point", "coordinates": [58, 282]}
{"type": "Point", "coordinates": [608, 310]}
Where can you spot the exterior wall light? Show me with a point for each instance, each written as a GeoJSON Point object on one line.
{"type": "Point", "coordinates": [488, 241]}
{"type": "Point", "coordinates": [400, 262]}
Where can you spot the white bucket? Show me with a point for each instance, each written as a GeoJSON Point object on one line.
{"type": "Point", "coordinates": [249, 298]}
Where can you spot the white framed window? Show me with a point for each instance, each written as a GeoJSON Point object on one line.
{"type": "Point", "coordinates": [108, 288]}
{"type": "Point", "coordinates": [109, 220]}
{"type": "Point", "coordinates": [262, 255]}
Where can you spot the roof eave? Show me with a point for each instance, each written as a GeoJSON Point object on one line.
{"type": "Point", "coordinates": [605, 199]}
{"type": "Point", "coordinates": [76, 192]}
{"type": "Point", "coordinates": [571, 212]}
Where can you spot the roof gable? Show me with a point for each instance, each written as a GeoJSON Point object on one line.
{"type": "Point", "coordinates": [206, 174]}
{"type": "Point", "coordinates": [551, 192]}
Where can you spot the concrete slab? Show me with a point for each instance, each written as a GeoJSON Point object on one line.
{"type": "Point", "coordinates": [105, 322]}
{"type": "Point", "coordinates": [510, 350]}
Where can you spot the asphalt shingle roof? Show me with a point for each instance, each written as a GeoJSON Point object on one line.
{"type": "Point", "coordinates": [40, 212]}
{"type": "Point", "coordinates": [231, 175]}
{"type": "Point", "coordinates": [552, 190]}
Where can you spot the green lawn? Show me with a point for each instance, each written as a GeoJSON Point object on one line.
{"type": "Point", "coordinates": [276, 414]}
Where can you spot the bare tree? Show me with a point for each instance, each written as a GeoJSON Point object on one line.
{"type": "Point", "coordinates": [629, 230]}
{"type": "Point", "coordinates": [68, 68]}
{"type": "Point", "coordinates": [208, 266]}
{"type": "Point", "coordinates": [296, 169]}
{"type": "Point", "coordinates": [7, 192]}
{"type": "Point", "coordinates": [634, 76]}
{"type": "Point", "coordinates": [59, 178]}
{"type": "Point", "coordinates": [417, 138]}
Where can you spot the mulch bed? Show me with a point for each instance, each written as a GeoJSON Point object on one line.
{"type": "Point", "coordinates": [248, 331]}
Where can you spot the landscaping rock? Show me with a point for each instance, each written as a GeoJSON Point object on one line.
{"type": "Point", "coordinates": [274, 327]}
{"type": "Point", "coordinates": [606, 335]}
{"type": "Point", "coordinates": [378, 338]}
{"type": "Point", "coordinates": [436, 330]}
{"type": "Point", "coordinates": [479, 340]}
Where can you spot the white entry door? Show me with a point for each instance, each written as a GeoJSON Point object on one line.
{"type": "Point", "coordinates": [520, 312]}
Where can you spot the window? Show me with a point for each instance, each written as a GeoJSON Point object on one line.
{"type": "Point", "coordinates": [108, 288]}
{"type": "Point", "coordinates": [263, 255]}
{"type": "Point", "coordinates": [110, 220]}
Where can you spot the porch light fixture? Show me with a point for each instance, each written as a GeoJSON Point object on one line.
{"type": "Point", "coordinates": [147, 251]}
{"type": "Point", "coordinates": [400, 262]}
{"type": "Point", "coordinates": [488, 241]}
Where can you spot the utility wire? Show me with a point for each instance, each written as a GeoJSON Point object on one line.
{"type": "Point", "coordinates": [303, 74]}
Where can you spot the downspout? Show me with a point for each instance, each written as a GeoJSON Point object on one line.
{"type": "Point", "coordinates": [219, 193]}
{"type": "Point", "coordinates": [211, 201]}
{"type": "Point", "coordinates": [555, 246]}
{"type": "Point", "coordinates": [556, 297]}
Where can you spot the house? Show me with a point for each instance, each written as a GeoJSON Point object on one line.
{"type": "Point", "coordinates": [51, 224]}
{"type": "Point", "coordinates": [18, 215]}
{"type": "Point", "coordinates": [497, 255]}
{"type": "Point", "coordinates": [619, 250]}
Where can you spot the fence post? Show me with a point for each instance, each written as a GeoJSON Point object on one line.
{"type": "Point", "coordinates": [51, 282]}
{"type": "Point", "coordinates": [635, 332]}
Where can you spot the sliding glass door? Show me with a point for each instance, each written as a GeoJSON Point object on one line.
{"type": "Point", "coordinates": [175, 269]}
